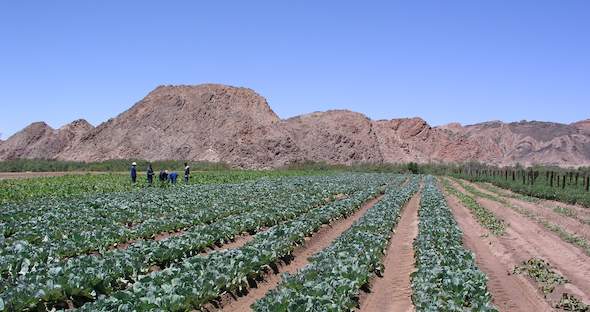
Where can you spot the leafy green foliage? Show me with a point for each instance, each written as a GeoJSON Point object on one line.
{"type": "Point", "coordinates": [566, 236]}
{"type": "Point", "coordinates": [447, 278]}
{"type": "Point", "coordinates": [333, 278]}
{"type": "Point", "coordinates": [541, 272]}
{"type": "Point", "coordinates": [568, 212]}
{"type": "Point", "coordinates": [569, 302]}
{"type": "Point", "coordinates": [199, 279]}
{"type": "Point", "coordinates": [485, 217]}
{"type": "Point", "coordinates": [541, 189]}
{"type": "Point", "coordinates": [56, 228]}
{"type": "Point", "coordinates": [18, 190]}
{"type": "Point", "coordinates": [413, 168]}
{"type": "Point", "coordinates": [264, 204]}
{"type": "Point", "coordinates": [42, 165]}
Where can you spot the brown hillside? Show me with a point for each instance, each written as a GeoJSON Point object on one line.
{"type": "Point", "coordinates": [336, 136]}
{"type": "Point", "coordinates": [205, 122]}
{"type": "Point", "coordinates": [236, 125]}
{"type": "Point", "coordinates": [39, 140]}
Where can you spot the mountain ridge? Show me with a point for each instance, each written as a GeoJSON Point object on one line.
{"type": "Point", "coordinates": [235, 125]}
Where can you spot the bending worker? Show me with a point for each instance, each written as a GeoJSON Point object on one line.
{"type": "Point", "coordinates": [173, 176]}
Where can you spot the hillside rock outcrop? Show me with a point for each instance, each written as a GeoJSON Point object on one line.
{"type": "Point", "coordinates": [202, 123]}
{"type": "Point", "coordinates": [336, 136]}
{"type": "Point", "coordinates": [40, 141]}
{"type": "Point", "coordinates": [220, 123]}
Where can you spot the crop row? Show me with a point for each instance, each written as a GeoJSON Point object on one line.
{"type": "Point", "coordinates": [333, 278]}
{"type": "Point", "coordinates": [88, 276]}
{"type": "Point", "coordinates": [484, 216]}
{"type": "Point", "coordinates": [77, 226]}
{"type": "Point", "coordinates": [541, 189]}
{"type": "Point", "coordinates": [566, 236]}
{"type": "Point", "coordinates": [200, 279]}
{"type": "Point", "coordinates": [447, 278]}
{"type": "Point", "coordinates": [73, 185]}
{"type": "Point", "coordinates": [125, 214]}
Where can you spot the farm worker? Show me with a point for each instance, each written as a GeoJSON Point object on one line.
{"type": "Point", "coordinates": [187, 173]}
{"type": "Point", "coordinates": [173, 176]}
{"type": "Point", "coordinates": [133, 172]}
{"type": "Point", "coordinates": [150, 174]}
{"type": "Point", "coordinates": [163, 176]}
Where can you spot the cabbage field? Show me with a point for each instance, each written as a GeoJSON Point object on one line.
{"type": "Point", "coordinates": [280, 243]}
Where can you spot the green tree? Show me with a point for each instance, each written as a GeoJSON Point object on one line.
{"type": "Point", "coordinates": [413, 168]}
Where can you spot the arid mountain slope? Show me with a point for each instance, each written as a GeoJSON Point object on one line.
{"type": "Point", "coordinates": [530, 143]}
{"type": "Point", "coordinates": [205, 122]}
{"type": "Point", "coordinates": [236, 125]}
{"type": "Point", "coordinates": [412, 139]}
{"type": "Point", "coordinates": [583, 125]}
{"type": "Point", "coordinates": [39, 140]}
{"type": "Point", "coordinates": [336, 136]}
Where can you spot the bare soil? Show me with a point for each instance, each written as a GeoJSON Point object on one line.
{"type": "Point", "coordinates": [581, 211]}
{"type": "Point", "coordinates": [525, 239]}
{"type": "Point", "coordinates": [237, 242]}
{"type": "Point", "coordinates": [571, 225]}
{"type": "Point", "coordinates": [166, 235]}
{"type": "Point", "coordinates": [393, 291]}
{"type": "Point", "coordinates": [493, 257]}
{"type": "Point", "coordinates": [317, 242]}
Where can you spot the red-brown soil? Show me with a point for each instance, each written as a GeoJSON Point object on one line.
{"type": "Point", "coordinates": [525, 239]}
{"type": "Point", "coordinates": [569, 224]}
{"type": "Point", "coordinates": [393, 291]}
{"type": "Point", "coordinates": [317, 242]}
{"type": "Point", "coordinates": [581, 211]}
{"type": "Point", "coordinates": [493, 257]}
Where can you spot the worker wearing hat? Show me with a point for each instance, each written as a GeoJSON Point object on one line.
{"type": "Point", "coordinates": [187, 172]}
{"type": "Point", "coordinates": [133, 172]}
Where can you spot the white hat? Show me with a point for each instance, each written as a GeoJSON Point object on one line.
{"type": "Point", "coordinates": [133, 164]}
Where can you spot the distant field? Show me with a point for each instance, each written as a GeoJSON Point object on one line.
{"type": "Point", "coordinates": [566, 187]}
{"type": "Point", "coordinates": [29, 174]}
{"type": "Point", "coordinates": [17, 187]}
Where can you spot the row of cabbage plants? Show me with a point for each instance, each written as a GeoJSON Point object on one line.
{"type": "Point", "coordinates": [200, 279]}
{"type": "Point", "coordinates": [334, 277]}
{"type": "Point", "coordinates": [88, 277]}
{"type": "Point", "coordinates": [55, 230]}
{"type": "Point", "coordinates": [446, 277]}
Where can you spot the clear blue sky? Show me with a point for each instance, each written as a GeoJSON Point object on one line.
{"type": "Point", "coordinates": [465, 61]}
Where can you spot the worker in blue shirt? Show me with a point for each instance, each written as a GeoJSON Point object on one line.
{"type": "Point", "coordinates": [173, 176]}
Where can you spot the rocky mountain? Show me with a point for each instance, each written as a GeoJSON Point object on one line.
{"type": "Point", "coordinates": [40, 141]}
{"type": "Point", "coordinates": [336, 136]}
{"type": "Point", "coordinates": [583, 125]}
{"type": "Point", "coordinates": [236, 125]}
{"type": "Point", "coordinates": [207, 122]}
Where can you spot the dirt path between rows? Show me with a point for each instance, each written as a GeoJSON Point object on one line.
{"type": "Point", "coordinates": [393, 291]}
{"type": "Point", "coordinates": [317, 242]}
{"type": "Point", "coordinates": [571, 225]}
{"type": "Point", "coordinates": [493, 257]}
{"type": "Point", "coordinates": [525, 239]}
